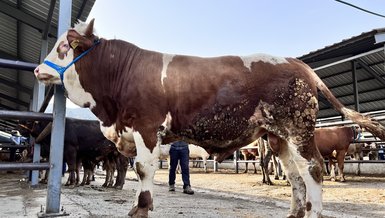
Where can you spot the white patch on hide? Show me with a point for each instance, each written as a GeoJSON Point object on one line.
{"type": "Point", "coordinates": [166, 60]}
{"type": "Point", "coordinates": [81, 28]}
{"type": "Point", "coordinates": [148, 163]}
{"type": "Point", "coordinates": [313, 188]}
{"type": "Point", "coordinates": [54, 58]}
{"type": "Point", "coordinates": [167, 121]}
{"type": "Point", "coordinates": [124, 142]}
{"type": "Point", "coordinates": [248, 60]}
{"type": "Point", "coordinates": [286, 155]}
{"type": "Point", "coordinates": [75, 91]}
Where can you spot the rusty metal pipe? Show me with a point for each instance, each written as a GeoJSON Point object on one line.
{"type": "Point", "coordinates": [46, 131]}
{"type": "Point", "coordinates": [24, 166]}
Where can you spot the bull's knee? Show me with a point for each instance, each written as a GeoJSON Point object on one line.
{"type": "Point", "coordinates": [140, 170]}
{"type": "Point", "coordinates": [315, 170]}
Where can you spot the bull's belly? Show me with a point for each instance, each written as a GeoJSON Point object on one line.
{"type": "Point", "coordinates": [220, 123]}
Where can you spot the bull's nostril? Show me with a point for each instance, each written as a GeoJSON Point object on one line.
{"type": "Point", "coordinates": [36, 71]}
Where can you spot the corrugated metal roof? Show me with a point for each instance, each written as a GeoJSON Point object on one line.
{"type": "Point", "coordinates": [339, 79]}
{"type": "Point", "coordinates": [21, 38]}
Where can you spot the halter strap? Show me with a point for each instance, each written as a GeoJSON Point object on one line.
{"type": "Point", "coordinates": [61, 69]}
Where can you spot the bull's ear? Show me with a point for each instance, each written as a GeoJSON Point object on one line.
{"type": "Point", "coordinates": [90, 28]}
{"type": "Point", "coordinates": [73, 38]}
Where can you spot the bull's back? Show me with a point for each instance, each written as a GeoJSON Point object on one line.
{"type": "Point", "coordinates": [213, 98]}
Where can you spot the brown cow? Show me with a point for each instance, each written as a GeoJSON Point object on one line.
{"type": "Point", "coordinates": [219, 103]}
{"type": "Point", "coordinates": [338, 139]}
{"type": "Point", "coordinates": [261, 149]}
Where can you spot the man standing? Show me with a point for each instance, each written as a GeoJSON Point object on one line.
{"type": "Point", "coordinates": [179, 152]}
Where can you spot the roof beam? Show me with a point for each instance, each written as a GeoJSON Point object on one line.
{"type": "Point", "coordinates": [349, 59]}
{"type": "Point", "coordinates": [371, 71]}
{"type": "Point", "coordinates": [80, 12]}
{"type": "Point", "coordinates": [347, 71]}
{"type": "Point", "coordinates": [49, 20]}
{"type": "Point", "coordinates": [14, 100]}
{"type": "Point", "coordinates": [27, 19]}
{"type": "Point", "coordinates": [2, 106]}
{"type": "Point", "coordinates": [16, 86]}
{"type": "Point", "coordinates": [6, 55]}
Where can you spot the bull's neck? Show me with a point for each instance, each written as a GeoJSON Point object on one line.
{"type": "Point", "coordinates": [105, 73]}
{"type": "Point", "coordinates": [114, 56]}
{"type": "Point", "coordinates": [109, 60]}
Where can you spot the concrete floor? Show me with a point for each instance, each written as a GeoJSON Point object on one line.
{"type": "Point", "coordinates": [17, 199]}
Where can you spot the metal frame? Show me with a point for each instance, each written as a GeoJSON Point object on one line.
{"type": "Point", "coordinates": [57, 135]}
{"type": "Point", "coordinates": [58, 126]}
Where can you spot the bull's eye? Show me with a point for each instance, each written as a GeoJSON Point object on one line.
{"type": "Point", "coordinates": [62, 49]}
{"type": "Point", "coordinates": [66, 46]}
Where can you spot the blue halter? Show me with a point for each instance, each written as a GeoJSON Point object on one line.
{"type": "Point", "coordinates": [61, 69]}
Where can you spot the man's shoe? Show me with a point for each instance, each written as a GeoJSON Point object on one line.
{"type": "Point", "coordinates": [188, 190]}
{"type": "Point", "coordinates": [171, 188]}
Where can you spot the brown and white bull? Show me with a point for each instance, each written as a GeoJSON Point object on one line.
{"type": "Point", "coordinates": [333, 143]}
{"type": "Point", "coordinates": [220, 103]}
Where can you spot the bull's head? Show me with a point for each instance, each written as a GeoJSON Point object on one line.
{"type": "Point", "coordinates": [59, 66]}
{"type": "Point", "coordinates": [61, 59]}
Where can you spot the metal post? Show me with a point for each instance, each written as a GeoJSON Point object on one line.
{"type": "Point", "coordinates": [236, 157]}
{"type": "Point", "coordinates": [215, 165]}
{"type": "Point", "coordinates": [36, 159]}
{"type": "Point", "coordinates": [355, 87]}
{"type": "Point", "coordinates": [38, 98]}
{"type": "Point", "coordinates": [57, 135]}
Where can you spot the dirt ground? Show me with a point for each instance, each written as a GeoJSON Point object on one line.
{"type": "Point", "coordinates": [220, 194]}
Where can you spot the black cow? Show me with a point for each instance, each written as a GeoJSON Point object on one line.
{"type": "Point", "coordinates": [83, 143]}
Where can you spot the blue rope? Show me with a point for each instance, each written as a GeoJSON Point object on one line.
{"type": "Point", "coordinates": [61, 69]}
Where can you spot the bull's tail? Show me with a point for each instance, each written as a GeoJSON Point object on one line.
{"type": "Point", "coordinates": [366, 122]}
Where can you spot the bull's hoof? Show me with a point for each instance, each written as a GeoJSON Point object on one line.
{"type": "Point", "coordinates": [104, 185]}
{"type": "Point", "coordinates": [299, 214]}
{"type": "Point", "coordinates": [276, 178]}
{"type": "Point", "coordinates": [71, 186]}
{"type": "Point", "coordinates": [119, 187]}
{"type": "Point", "coordinates": [82, 184]}
{"type": "Point", "coordinates": [268, 182]}
{"type": "Point", "coordinates": [136, 212]}
{"type": "Point", "coordinates": [87, 183]}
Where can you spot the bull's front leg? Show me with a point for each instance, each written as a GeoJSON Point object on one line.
{"type": "Point", "coordinates": [145, 165]}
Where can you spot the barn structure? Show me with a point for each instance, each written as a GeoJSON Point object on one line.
{"type": "Point", "coordinates": [354, 70]}
{"type": "Point", "coordinates": [29, 31]}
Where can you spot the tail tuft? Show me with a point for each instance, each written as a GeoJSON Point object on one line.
{"type": "Point", "coordinates": [366, 122]}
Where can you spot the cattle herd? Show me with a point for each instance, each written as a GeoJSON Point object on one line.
{"type": "Point", "coordinates": [85, 146]}
{"type": "Point", "coordinates": [144, 99]}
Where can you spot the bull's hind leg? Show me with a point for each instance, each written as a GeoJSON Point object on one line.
{"type": "Point", "coordinates": [145, 166]}
{"type": "Point", "coordinates": [298, 189]}
{"type": "Point", "coordinates": [311, 174]}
